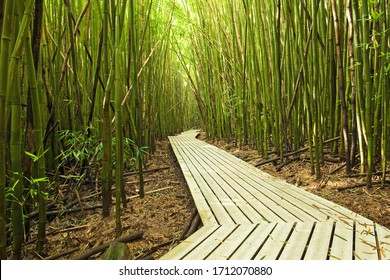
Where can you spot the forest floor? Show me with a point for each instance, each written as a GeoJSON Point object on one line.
{"type": "Point", "coordinates": [166, 209]}
{"type": "Point", "coordinates": [161, 215]}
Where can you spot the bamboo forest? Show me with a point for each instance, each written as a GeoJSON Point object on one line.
{"type": "Point", "coordinates": [90, 90]}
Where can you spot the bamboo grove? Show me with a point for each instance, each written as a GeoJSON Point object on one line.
{"type": "Point", "coordinates": [86, 88]}
{"type": "Point", "coordinates": [285, 74]}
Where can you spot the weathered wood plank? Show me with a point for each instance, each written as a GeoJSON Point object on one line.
{"type": "Point", "coordinates": [218, 210]}
{"type": "Point", "coordinates": [237, 238]}
{"type": "Point", "coordinates": [383, 235]}
{"type": "Point", "coordinates": [319, 243]}
{"type": "Point", "coordinates": [311, 202]}
{"type": "Point", "coordinates": [296, 244]}
{"type": "Point", "coordinates": [365, 242]}
{"type": "Point", "coordinates": [255, 181]}
{"type": "Point", "coordinates": [250, 203]}
{"type": "Point", "coordinates": [190, 243]}
{"type": "Point", "coordinates": [254, 241]}
{"type": "Point", "coordinates": [220, 189]}
{"type": "Point", "coordinates": [281, 207]}
{"type": "Point", "coordinates": [204, 209]}
{"type": "Point", "coordinates": [342, 244]}
{"type": "Point", "coordinates": [276, 241]}
{"type": "Point", "coordinates": [329, 209]}
{"type": "Point", "coordinates": [217, 238]}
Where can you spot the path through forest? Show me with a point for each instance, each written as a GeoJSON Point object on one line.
{"type": "Point", "coordinates": [162, 215]}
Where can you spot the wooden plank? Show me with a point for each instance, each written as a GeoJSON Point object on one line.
{"type": "Point", "coordinates": [251, 205]}
{"type": "Point", "coordinates": [274, 193]}
{"type": "Point", "coordinates": [365, 242]}
{"type": "Point", "coordinates": [219, 211]}
{"type": "Point", "coordinates": [279, 205]}
{"type": "Point", "coordinates": [274, 244]}
{"type": "Point", "coordinates": [234, 241]}
{"type": "Point", "coordinates": [335, 211]}
{"type": "Point", "coordinates": [190, 243]}
{"type": "Point", "coordinates": [383, 235]}
{"type": "Point", "coordinates": [236, 196]}
{"type": "Point", "coordinates": [201, 204]}
{"type": "Point", "coordinates": [297, 242]}
{"type": "Point", "coordinates": [342, 244]}
{"type": "Point", "coordinates": [215, 205]}
{"type": "Point", "coordinates": [313, 202]}
{"type": "Point", "coordinates": [319, 243]}
{"type": "Point", "coordinates": [219, 188]}
{"type": "Point", "coordinates": [248, 249]}
{"type": "Point", "coordinates": [277, 186]}
{"type": "Point", "coordinates": [205, 248]}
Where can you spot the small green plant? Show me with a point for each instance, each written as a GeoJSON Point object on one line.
{"type": "Point", "coordinates": [79, 148]}
{"type": "Point", "coordinates": [34, 183]}
{"type": "Point", "coordinates": [140, 154]}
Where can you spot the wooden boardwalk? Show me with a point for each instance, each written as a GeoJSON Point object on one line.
{"type": "Point", "coordinates": [248, 214]}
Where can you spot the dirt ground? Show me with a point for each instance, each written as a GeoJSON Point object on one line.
{"type": "Point", "coordinates": [161, 215]}
{"type": "Point", "coordinates": [166, 209]}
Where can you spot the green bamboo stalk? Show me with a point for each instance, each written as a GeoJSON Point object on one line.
{"type": "Point", "coordinates": [341, 89]}
{"type": "Point", "coordinates": [4, 65]}
{"type": "Point", "coordinates": [36, 101]}
{"type": "Point", "coordinates": [106, 132]}
{"type": "Point", "coordinates": [119, 165]}
{"type": "Point", "coordinates": [16, 114]}
{"type": "Point", "coordinates": [352, 74]}
{"type": "Point", "coordinates": [1, 17]}
{"type": "Point", "coordinates": [15, 144]}
{"type": "Point", "coordinates": [16, 182]}
{"type": "Point", "coordinates": [316, 98]}
{"type": "Point", "coordinates": [118, 121]}
{"type": "Point", "coordinates": [139, 99]}
{"type": "Point", "coordinates": [384, 88]}
{"type": "Point", "coordinates": [77, 93]}
{"type": "Point", "coordinates": [368, 90]}
{"type": "Point", "coordinates": [16, 133]}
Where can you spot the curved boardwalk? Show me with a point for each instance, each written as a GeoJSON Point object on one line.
{"type": "Point", "coordinates": [248, 214]}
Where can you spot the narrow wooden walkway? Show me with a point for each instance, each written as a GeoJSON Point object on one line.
{"type": "Point", "coordinates": [248, 214]}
